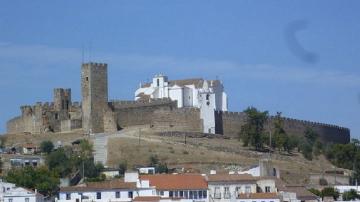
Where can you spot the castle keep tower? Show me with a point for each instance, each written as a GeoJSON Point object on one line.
{"type": "Point", "coordinates": [62, 99]}
{"type": "Point", "coordinates": [94, 87]}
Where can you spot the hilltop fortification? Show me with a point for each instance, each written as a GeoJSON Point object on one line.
{"type": "Point", "coordinates": [96, 114]}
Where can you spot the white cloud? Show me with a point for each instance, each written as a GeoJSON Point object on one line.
{"type": "Point", "coordinates": [46, 56]}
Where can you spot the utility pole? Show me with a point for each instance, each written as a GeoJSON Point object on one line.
{"type": "Point", "coordinates": [139, 137]}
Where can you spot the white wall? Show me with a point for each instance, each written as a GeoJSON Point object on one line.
{"type": "Point", "coordinates": [267, 183]}
{"type": "Point", "coordinates": [232, 190]}
{"type": "Point", "coordinates": [258, 200]}
{"type": "Point", "coordinates": [176, 93]}
{"type": "Point", "coordinates": [207, 113]}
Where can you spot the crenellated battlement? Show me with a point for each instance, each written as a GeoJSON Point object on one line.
{"type": "Point", "coordinates": [121, 104]}
{"type": "Point", "coordinates": [232, 122]}
{"type": "Point", "coordinates": [311, 123]}
{"type": "Point", "coordinates": [95, 64]}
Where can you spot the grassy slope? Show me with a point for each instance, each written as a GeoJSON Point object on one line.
{"type": "Point", "coordinates": [203, 154]}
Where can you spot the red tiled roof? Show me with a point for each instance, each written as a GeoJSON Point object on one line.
{"type": "Point", "coordinates": [230, 178]}
{"type": "Point", "coordinates": [105, 185]}
{"type": "Point", "coordinates": [147, 198]}
{"type": "Point", "coordinates": [258, 196]}
{"type": "Point", "coordinates": [176, 181]}
{"type": "Point", "coordinates": [29, 145]}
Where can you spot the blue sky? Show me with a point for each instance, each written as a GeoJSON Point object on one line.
{"type": "Point", "coordinates": [301, 58]}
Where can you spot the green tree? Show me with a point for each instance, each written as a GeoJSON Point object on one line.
{"type": "Point", "coordinates": [154, 160]}
{"type": "Point", "coordinates": [162, 168]}
{"type": "Point", "coordinates": [280, 135]}
{"type": "Point", "coordinates": [42, 179]}
{"type": "Point", "coordinates": [60, 162]}
{"type": "Point", "coordinates": [350, 195]}
{"type": "Point", "coordinates": [291, 143]}
{"type": "Point", "coordinates": [330, 191]}
{"type": "Point", "coordinates": [315, 191]}
{"type": "Point", "coordinates": [46, 146]}
{"type": "Point", "coordinates": [252, 131]}
{"type": "Point", "coordinates": [2, 141]}
{"type": "Point", "coordinates": [86, 149]}
{"type": "Point", "coordinates": [311, 136]}
{"type": "Point", "coordinates": [306, 150]}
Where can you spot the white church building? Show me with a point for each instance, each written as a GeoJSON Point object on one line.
{"type": "Point", "coordinates": [208, 95]}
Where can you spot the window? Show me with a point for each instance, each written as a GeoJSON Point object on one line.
{"type": "Point", "coordinates": [27, 199]}
{"type": "Point", "coordinates": [267, 189]}
{"type": "Point", "coordinates": [161, 193]}
{"type": "Point", "coordinates": [117, 194]}
{"type": "Point", "coordinates": [191, 195]}
{"type": "Point", "coordinates": [200, 193]}
{"type": "Point", "coordinates": [181, 194]}
{"type": "Point", "coordinates": [130, 194]}
{"type": "Point", "coordinates": [186, 194]}
{"type": "Point", "coordinates": [68, 196]}
{"type": "Point", "coordinates": [171, 193]}
{"type": "Point", "coordinates": [158, 82]}
{"type": "Point", "coordinates": [87, 78]}
{"type": "Point", "coordinates": [195, 194]}
{"type": "Point", "coordinates": [98, 195]}
{"type": "Point", "coordinates": [226, 192]}
{"type": "Point", "coordinates": [217, 193]}
{"type": "Point", "coordinates": [10, 200]}
{"type": "Point", "coordinates": [238, 190]}
{"type": "Point", "coordinates": [56, 116]}
{"type": "Point", "coordinates": [247, 189]}
{"type": "Point", "coordinates": [207, 96]}
{"type": "Point", "coordinates": [176, 193]}
{"type": "Point", "coordinates": [204, 194]}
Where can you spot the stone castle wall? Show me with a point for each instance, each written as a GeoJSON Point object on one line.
{"type": "Point", "coordinates": [130, 113]}
{"type": "Point", "coordinates": [230, 125]}
{"type": "Point", "coordinates": [45, 117]}
{"type": "Point", "coordinates": [177, 119]}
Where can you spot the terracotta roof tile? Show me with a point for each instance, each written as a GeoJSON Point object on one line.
{"type": "Point", "coordinates": [176, 181]}
{"type": "Point", "coordinates": [197, 82]}
{"type": "Point", "coordinates": [258, 196]}
{"type": "Point", "coordinates": [231, 178]}
{"type": "Point", "coordinates": [105, 185]}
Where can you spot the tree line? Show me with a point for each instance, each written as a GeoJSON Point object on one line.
{"type": "Point", "coordinates": [254, 134]}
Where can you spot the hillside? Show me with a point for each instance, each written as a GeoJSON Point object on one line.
{"type": "Point", "coordinates": [198, 154]}
{"type": "Point", "coordinates": [204, 154]}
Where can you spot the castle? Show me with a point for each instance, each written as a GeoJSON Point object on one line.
{"type": "Point", "coordinates": [191, 105]}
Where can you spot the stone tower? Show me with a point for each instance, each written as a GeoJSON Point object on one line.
{"type": "Point", "coordinates": [62, 99]}
{"type": "Point", "coordinates": [94, 87]}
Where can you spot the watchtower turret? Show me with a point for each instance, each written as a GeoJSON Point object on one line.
{"type": "Point", "coordinates": [94, 87]}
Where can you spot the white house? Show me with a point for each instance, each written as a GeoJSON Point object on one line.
{"type": "Point", "coordinates": [179, 187]}
{"type": "Point", "coordinates": [149, 188]}
{"type": "Point", "coordinates": [208, 95]}
{"type": "Point", "coordinates": [111, 190]}
{"type": "Point", "coordinates": [10, 193]}
{"type": "Point", "coordinates": [227, 187]}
